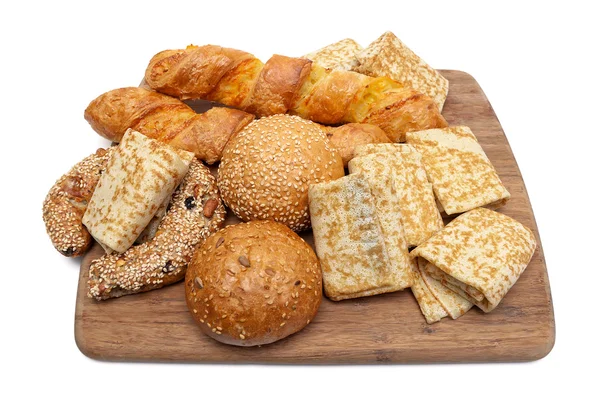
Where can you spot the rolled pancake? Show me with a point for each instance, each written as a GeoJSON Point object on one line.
{"type": "Point", "coordinates": [139, 178]}
{"type": "Point", "coordinates": [462, 176]}
{"type": "Point", "coordinates": [485, 250]}
{"type": "Point", "coordinates": [349, 240]}
{"type": "Point", "coordinates": [454, 304]}
{"type": "Point", "coordinates": [418, 212]}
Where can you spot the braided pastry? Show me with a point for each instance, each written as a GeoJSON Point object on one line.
{"type": "Point", "coordinates": [165, 119]}
{"type": "Point", "coordinates": [291, 85]}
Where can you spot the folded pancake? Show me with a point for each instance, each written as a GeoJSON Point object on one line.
{"type": "Point", "coordinates": [338, 55]}
{"type": "Point", "coordinates": [483, 250]}
{"type": "Point", "coordinates": [462, 176]}
{"type": "Point", "coordinates": [139, 178]}
{"type": "Point", "coordinates": [461, 288]}
{"type": "Point", "coordinates": [388, 56]}
{"type": "Point", "coordinates": [454, 304]}
{"type": "Point", "coordinates": [376, 148]}
{"type": "Point", "coordinates": [418, 212]}
{"type": "Point", "coordinates": [430, 307]}
{"type": "Point", "coordinates": [349, 240]}
{"type": "Point", "coordinates": [387, 206]}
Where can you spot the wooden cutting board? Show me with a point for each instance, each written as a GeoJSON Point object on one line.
{"type": "Point", "coordinates": [389, 328]}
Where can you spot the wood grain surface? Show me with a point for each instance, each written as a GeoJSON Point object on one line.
{"type": "Point", "coordinates": [389, 328]}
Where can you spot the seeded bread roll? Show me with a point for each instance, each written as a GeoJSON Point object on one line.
{"type": "Point", "coordinates": [267, 167]}
{"type": "Point", "coordinates": [253, 283]}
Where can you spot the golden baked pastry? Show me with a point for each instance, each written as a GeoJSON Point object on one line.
{"type": "Point", "coordinates": [253, 283]}
{"type": "Point", "coordinates": [166, 119]}
{"type": "Point", "coordinates": [349, 136]}
{"type": "Point", "coordinates": [291, 85]}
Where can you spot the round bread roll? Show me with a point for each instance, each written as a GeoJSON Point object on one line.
{"type": "Point", "coordinates": [346, 137]}
{"type": "Point", "coordinates": [253, 283]}
{"type": "Point", "coordinates": [267, 167]}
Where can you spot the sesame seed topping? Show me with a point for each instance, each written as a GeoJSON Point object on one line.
{"type": "Point", "coordinates": [141, 268]}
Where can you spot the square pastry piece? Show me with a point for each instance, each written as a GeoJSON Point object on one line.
{"type": "Point", "coordinates": [462, 176]}
{"type": "Point", "coordinates": [479, 255]}
{"type": "Point", "coordinates": [416, 209]}
{"type": "Point", "coordinates": [360, 246]}
{"type": "Point", "coordinates": [338, 55]}
{"type": "Point", "coordinates": [388, 56]}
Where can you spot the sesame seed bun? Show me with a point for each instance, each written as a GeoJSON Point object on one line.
{"type": "Point", "coordinates": [267, 167]}
{"type": "Point", "coordinates": [253, 283]}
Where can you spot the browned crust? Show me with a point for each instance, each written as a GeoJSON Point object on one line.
{"type": "Point", "coordinates": [277, 84]}
{"type": "Point", "coordinates": [165, 119]}
{"type": "Point", "coordinates": [67, 201]}
{"type": "Point", "coordinates": [195, 212]}
{"type": "Point", "coordinates": [347, 137]}
{"type": "Point", "coordinates": [253, 283]}
{"type": "Point", "coordinates": [334, 97]}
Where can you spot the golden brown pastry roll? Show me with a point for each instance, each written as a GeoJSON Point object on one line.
{"type": "Point", "coordinates": [347, 138]}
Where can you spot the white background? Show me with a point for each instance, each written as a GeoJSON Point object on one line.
{"type": "Point", "coordinates": [537, 63]}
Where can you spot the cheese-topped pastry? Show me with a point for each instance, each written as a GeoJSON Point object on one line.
{"type": "Point", "coordinates": [140, 176]}
{"type": "Point", "coordinates": [462, 176]}
{"type": "Point", "coordinates": [483, 250]}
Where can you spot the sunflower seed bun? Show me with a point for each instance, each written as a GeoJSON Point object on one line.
{"type": "Point", "coordinates": [253, 283]}
{"type": "Point", "coordinates": [267, 167]}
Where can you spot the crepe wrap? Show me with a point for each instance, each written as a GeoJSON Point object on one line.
{"type": "Point", "coordinates": [435, 300]}
{"type": "Point", "coordinates": [350, 240]}
{"type": "Point", "coordinates": [480, 254]}
{"type": "Point", "coordinates": [387, 208]}
{"type": "Point", "coordinates": [418, 212]}
{"type": "Point", "coordinates": [462, 176]}
{"type": "Point", "coordinates": [140, 177]}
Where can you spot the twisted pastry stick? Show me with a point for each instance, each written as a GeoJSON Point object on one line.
{"type": "Point", "coordinates": [165, 119]}
{"type": "Point", "coordinates": [291, 85]}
